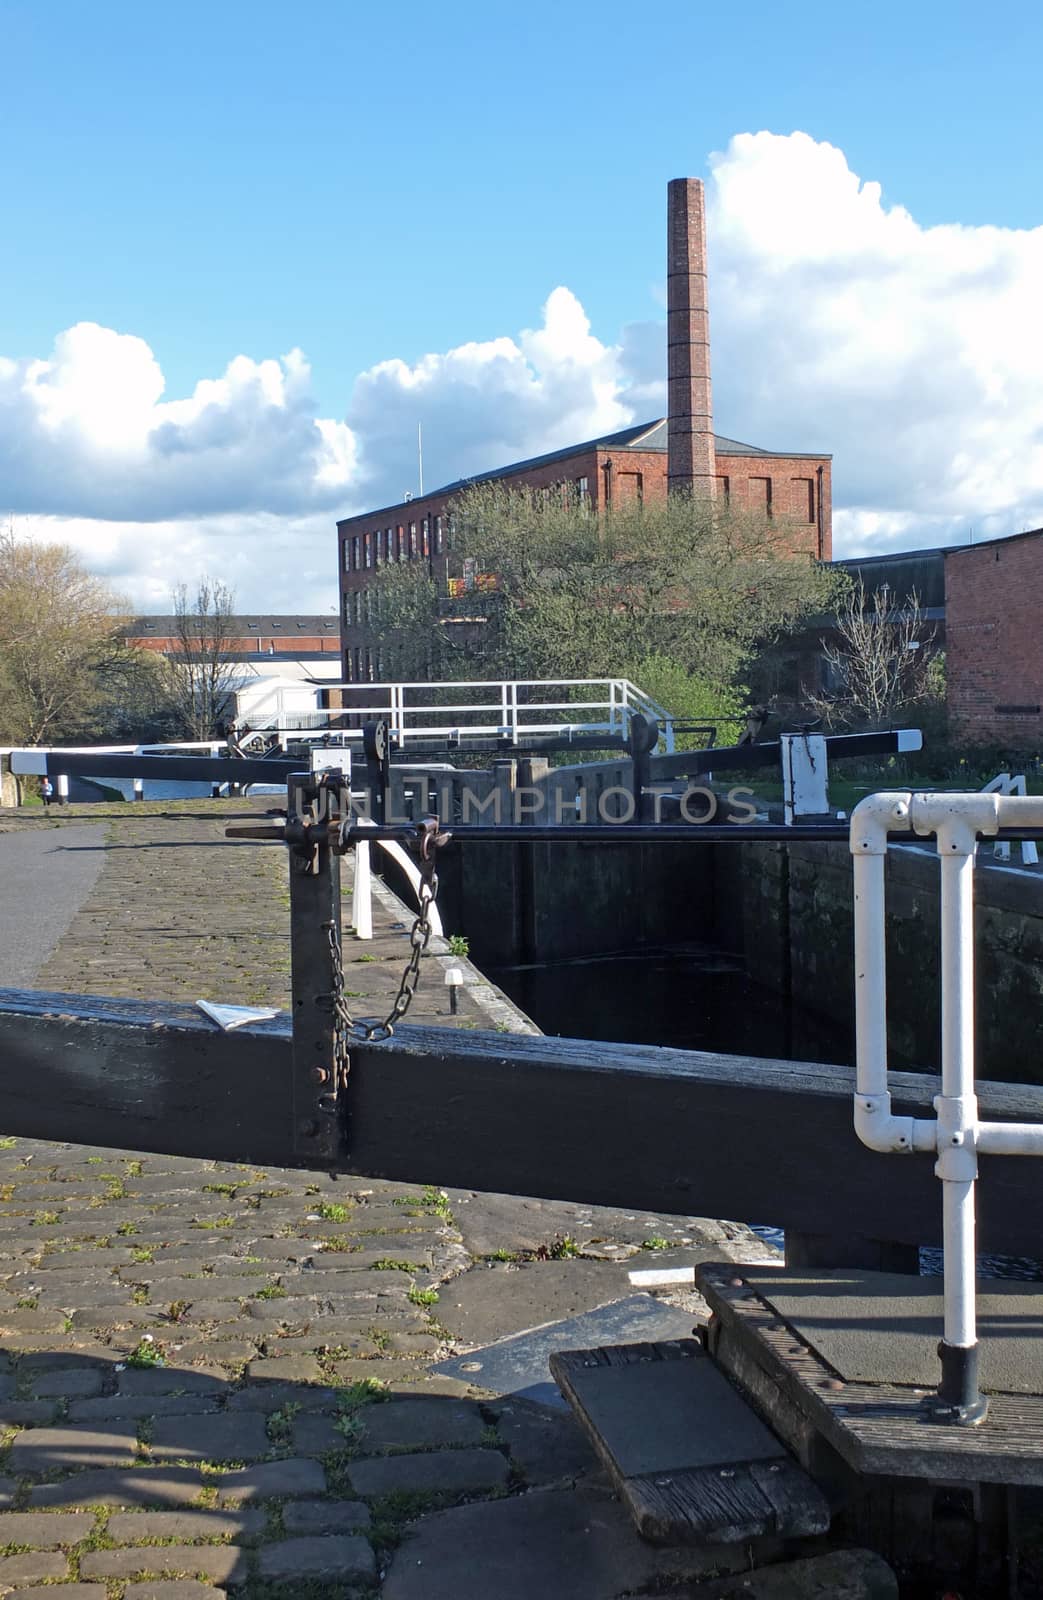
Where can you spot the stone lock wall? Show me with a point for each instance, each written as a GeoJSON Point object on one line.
{"type": "Point", "coordinates": [797, 935]}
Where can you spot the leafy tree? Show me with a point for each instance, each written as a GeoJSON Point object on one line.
{"type": "Point", "coordinates": [200, 675]}
{"type": "Point", "coordinates": [557, 591]}
{"type": "Point", "coordinates": [880, 658]}
{"type": "Point", "coordinates": [61, 644]}
{"type": "Point", "coordinates": [691, 699]}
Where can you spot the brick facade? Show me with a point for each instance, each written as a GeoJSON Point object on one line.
{"type": "Point", "coordinates": [691, 465]}
{"type": "Point", "coordinates": [791, 492]}
{"type": "Point", "coordinates": [247, 635]}
{"type": "Point", "coordinates": [994, 660]}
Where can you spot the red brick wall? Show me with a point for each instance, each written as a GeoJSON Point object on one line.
{"type": "Point", "coordinates": [254, 644]}
{"type": "Point", "coordinates": [994, 640]}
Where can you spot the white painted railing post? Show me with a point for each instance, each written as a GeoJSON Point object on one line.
{"type": "Point", "coordinates": [1003, 783]}
{"type": "Point", "coordinates": [955, 1134]}
{"type": "Point", "coordinates": [362, 894]}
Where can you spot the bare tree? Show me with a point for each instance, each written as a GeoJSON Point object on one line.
{"type": "Point", "coordinates": [202, 677]}
{"type": "Point", "coordinates": [879, 658]}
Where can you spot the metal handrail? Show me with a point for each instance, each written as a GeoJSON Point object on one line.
{"type": "Point", "coordinates": [505, 698]}
{"type": "Point", "coordinates": [955, 1134]}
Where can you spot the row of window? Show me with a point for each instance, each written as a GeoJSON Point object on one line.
{"type": "Point", "coordinates": [760, 495]}
{"type": "Point", "coordinates": [402, 542]}
{"type": "Point", "coordinates": [364, 666]}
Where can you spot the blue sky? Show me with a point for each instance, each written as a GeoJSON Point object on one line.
{"type": "Point", "coordinates": [364, 183]}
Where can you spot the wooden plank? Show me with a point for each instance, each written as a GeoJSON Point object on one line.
{"type": "Point", "coordinates": [686, 1132]}
{"type": "Point", "coordinates": [135, 1076]}
{"type": "Point", "coordinates": [876, 1428]}
{"type": "Point", "coordinates": [180, 769]}
{"type": "Point", "coordinates": [690, 1458]}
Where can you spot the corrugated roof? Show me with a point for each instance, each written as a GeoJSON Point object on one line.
{"type": "Point", "coordinates": [904, 572]}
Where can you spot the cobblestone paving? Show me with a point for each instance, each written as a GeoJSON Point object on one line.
{"type": "Point", "coordinates": [214, 1378]}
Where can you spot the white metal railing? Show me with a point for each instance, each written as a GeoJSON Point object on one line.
{"type": "Point", "coordinates": [1003, 783]}
{"type": "Point", "coordinates": [955, 1135]}
{"type": "Point", "coordinates": [362, 890]}
{"type": "Point", "coordinates": [509, 709]}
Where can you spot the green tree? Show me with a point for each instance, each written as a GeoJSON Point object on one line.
{"type": "Point", "coordinates": [554, 590]}
{"type": "Point", "coordinates": [62, 645]}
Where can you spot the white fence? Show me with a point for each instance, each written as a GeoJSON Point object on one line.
{"type": "Point", "coordinates": [510, 709]}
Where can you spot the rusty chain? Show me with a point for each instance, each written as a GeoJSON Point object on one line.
{"type": "Point", "coordinates": [345, 1026]}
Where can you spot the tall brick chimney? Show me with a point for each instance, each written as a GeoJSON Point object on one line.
{"type": "Point", "coordinates": [691, 467]}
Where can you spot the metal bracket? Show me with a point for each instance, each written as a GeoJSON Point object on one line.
{"type": "Point", "coordinates": [314, 801]}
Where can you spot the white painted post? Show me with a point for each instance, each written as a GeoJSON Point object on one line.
{"type": "Point", "coordinates": [957, 1105]}
{"type": "Point", "coordinates": [63, 789]}
{"type": "Point", "coordinates": [139, 788]}
{"type": "Point", "coordinates": [805, 775]}
{"type": "Point", "coordinates": [362, 894]}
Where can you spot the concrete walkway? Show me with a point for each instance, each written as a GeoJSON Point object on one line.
{"type": "Point", "coordinates": [46, 873]}
{"type": "Point", "coordinates": [214, 1378]}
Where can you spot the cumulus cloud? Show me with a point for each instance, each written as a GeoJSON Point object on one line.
{"type": "Point", "coordinates": [484, 405]}
{"type": "Point", "coordinates": [243, 480]}
{"type": "Point", "coordinates": [839, 324]}
{"type": "Point", "coordinates": [912, 353]}
{"type": "Point", "coordinates": [85, 432]}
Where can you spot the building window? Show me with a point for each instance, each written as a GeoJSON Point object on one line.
{"type": "Point", "coordinates": [347, 608]}
{"type": "Point", "coordinates": [369, 666]}
{"type": "Point", "coordinates": [724, 490]}
{"type": "Point", "coordinates": [412, 541]}
{"type": "Point", "coordinates": [425, 537]}
{"type": "Point", "coordinates": [358, 664]}
{"type": "Point", "coordinates": [389, 544]}
{"type": "Point", "coordinates": [582, 491]}
{"type": "Point", "coordinates": [347, 555]}
{"type": "Point", "coordinates": [438, 536]}
{"type": "Point", "coordinates": [401, 542]}
{"type": "Point", "coordinates": [368, 546]}
{"type": "Point", "coordinates": [760, 495]}
{"type": "Point", "coordinates": [348, 667]}
{"type": "Point", "coordinates": [356, 553]}
{"type": "Point", "coordinates": [804, 497]}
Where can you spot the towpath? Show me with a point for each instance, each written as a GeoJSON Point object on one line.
{"type": "Point", "coordinates": [215, 1379]}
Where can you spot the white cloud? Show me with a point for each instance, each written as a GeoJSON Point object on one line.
{"type": "Point", "coordinates": [839, 323]}
{"type": "Point", "coordinates": [86, 433]}
{"type": "Point", "coordinates": [912, 353]}
{"type": "Point", "coordinates": [485, 405]}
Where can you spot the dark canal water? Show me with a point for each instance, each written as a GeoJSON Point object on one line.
{"type": "Point", "coordinates": [688, 997]}
{"type": "Point", "coordinates": [692, 997]}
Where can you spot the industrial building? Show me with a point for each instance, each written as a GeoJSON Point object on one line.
{"type": "Point", "coordinates": [791, 489]}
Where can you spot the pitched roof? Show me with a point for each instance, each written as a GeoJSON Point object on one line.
{"type": "Point", "coordinates": [644, 436]}
{"type": "Point", "coordinates": [244, 627]}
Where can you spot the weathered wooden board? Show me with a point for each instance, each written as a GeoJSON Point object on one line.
{"type": "Point", "coordinates": [691, 1459]}
{"type": "Point", "coordinates": [666, 1130]}
{"type": "Point", "coordinates": [877, 1428]}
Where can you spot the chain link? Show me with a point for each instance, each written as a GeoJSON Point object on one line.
{"type": "Point", "coordinates": [345, 1026]}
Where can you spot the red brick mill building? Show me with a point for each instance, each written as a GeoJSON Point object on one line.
{"type": "Point", "coordinates": [636, 464]}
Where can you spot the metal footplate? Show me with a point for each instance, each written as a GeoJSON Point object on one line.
{"type": "Point", "coordinates": [691, 1459]}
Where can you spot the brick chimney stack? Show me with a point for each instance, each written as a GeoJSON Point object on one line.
{"type": "Point", "coordinates": [691, 467]}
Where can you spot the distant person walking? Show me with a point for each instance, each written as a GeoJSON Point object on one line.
{"type": "Point", "coordinates": [46, 792]}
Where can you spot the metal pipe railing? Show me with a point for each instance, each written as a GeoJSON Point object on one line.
{"type": "Point", "coordinates": [955, 1133]}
